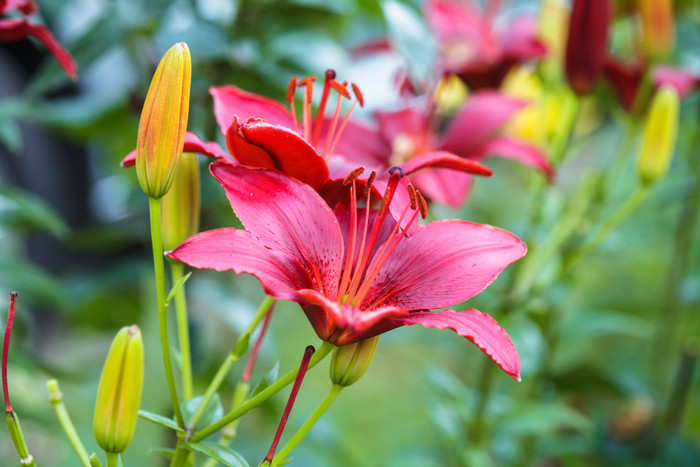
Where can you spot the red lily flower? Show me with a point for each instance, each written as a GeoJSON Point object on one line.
{"type": "Point", "coordinates": [411, 138]}
{"type": "Point", "coordinates": [355, 273]}
{"type": "Point", "coordinates": [17, 28]}
{"type": "Point", "coordinates": [473, 49]}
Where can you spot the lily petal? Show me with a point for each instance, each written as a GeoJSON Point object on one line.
{"type": "Point", "coordinates": [479, 328]}
{"type": "Point", "coordinates": [238, 250]}
{"type": "Point", "coordinates": [423, 274]}
{"type": "Point", "coordinates": [192, 144]}
{"type": "Point", "coordinates": [525, 153]}
{"type": "Point", "coordinates": [483, 114]}
{"type": "Point", "coordinates": [443, 186]}
{"type": "Point", "coordinates": [444, 159]}
{"type": "Point", "coordinates": [290, 153]}
{"type": "Point", "coordinates": [232, 101]}
{"type": "Point", "coordinates": [287, 215]}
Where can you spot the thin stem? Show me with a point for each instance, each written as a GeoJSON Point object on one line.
{"type": "Point", "coordinates": [310, 422]}
{"type": "Point", "coordinates": [13, 426]}
{"type": "Point", "coordinates": [261, 397]}
{"type": "Point", "coordinates": [177, 270]}
{"type": "Point", "coordinates": [159, 272]}
{"type": "Point", "coordinates": [181, 453]}
{"type": "Point", "coordinates": [225, 367]}
{"type": "Point", "coordinates": [56, 399]}
{"type": "Point", "coordinates": [112, 459]}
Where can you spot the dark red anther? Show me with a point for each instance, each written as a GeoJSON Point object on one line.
{"type": "Point", "coordinates": [358, 94]}
{"type": "Point", "coordinates": [413, 196]}
{"type": "Point", "coordinates": [368, 184]}
{"type": "Point", "coordinates": [353, 175]}
{"type": "Point", "coordinates": [422, 205]}
{"type": "Point", "coordinates": [6, 348]}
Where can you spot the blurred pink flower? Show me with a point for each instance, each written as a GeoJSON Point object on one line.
{"type": "Point", "coordinates": [473, 49]}
{"type": "Point", "coordinates": [17, 28]}
{"type": "Point", "coordinates": [355, 273]}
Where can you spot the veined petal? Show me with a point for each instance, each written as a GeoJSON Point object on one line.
{"type": "Point", "coordinates": [522, 152]}
{"type": "Point", "coordinates": [443, 263]}
{"type": "Point", "coordinates": [232, 101]}
{"type": "Point", "coordinates": [483, 114]}
{"type": "Point", "coordinates": [238, 250]}
{"type": "Point", "coordinates": [14, 29]}
{"type": "Point", "coordinates": [345, 324]}
{"type": "Point", "coordinates": [479, 328]}
{"type": "Point", "coordinates": [443, 186]}
{"type": "Point", "coordinates": [445, 160]}
{"type": "Point", "coordinates": [192, 144]}
{"type": "Point", "coordinates": [290, 152]}
{"type": "Point", "coordinates": [286, 215]}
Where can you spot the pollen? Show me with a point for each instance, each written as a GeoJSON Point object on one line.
{"type": "Point", "coordinates": [353, 175]}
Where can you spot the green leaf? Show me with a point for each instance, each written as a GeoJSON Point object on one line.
{"type": "Point", "coordinates": [22, 210]}
{"type": "Point", "coordinates": [167, 452]}
{"type": "Point", "coordinates": [177, 286]}
{"type": "Point", "coordinates": [598, 323]}
{"type": "Point", "coordinates": [212, 413]}
{"type": "Point", "coordinates": [267, 380]}
{"type": "Point", "coordinates": [160, 420]}
{"type": "Point", "coordinates": [543, 419]}
{"type": "Point", "coordinates": [219, 453]}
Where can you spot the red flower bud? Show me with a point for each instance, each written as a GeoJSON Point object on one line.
{"type": "Point", "coordinates": [586, 45]}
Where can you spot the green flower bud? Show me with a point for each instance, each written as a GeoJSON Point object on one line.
{"type": "Point", "coordinates": [164, 122]}
{"type": "Point", "coordinates": [180, 206]}
{"type": "Point", "coordinates": [349, 362]}
{"type": "Point", "coordinates": [659, 137]}
{"type": "Point", "coordinates": [119, 393]}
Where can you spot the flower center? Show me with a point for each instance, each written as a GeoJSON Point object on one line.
{"type": "Point", "coordinates": [361, 269]}
{"type": "Point", "coordinates": [310, 128]}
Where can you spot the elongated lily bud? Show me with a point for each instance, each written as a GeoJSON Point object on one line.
{"type": "Point", "coordinates": [658, 27]}
{"type": "Point", "coordinates": [180, 208]}
{"type": "Point", "coordinates": [119, 393]}
{"type": "Point", "coordinates": [164, 122]}
{"type": "Point", "coordinates": [659, 137]}
{"type": "Point", "coordinates": [586, 45]}
{"type": "Point", "coordinates": [349, 362]}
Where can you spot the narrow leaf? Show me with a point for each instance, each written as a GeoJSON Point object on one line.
{"type": "Point", "coordinates": [219, 453]}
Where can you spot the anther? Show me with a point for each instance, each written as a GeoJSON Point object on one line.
{"type": "Point", "coordinates": [291, 89]}
{"type": "Point", "coordinates": [422, 205]}
{"type": "Point", "coordinates": [358, 94]}
{"type": "Point", "coordinates": [368, 184]}
{"type": "Point", "coordinates": [341, 89]}
{"type": "Point", "coordinates": [413, 196]}
{"type": "Point", "coordinates": [353, 175]}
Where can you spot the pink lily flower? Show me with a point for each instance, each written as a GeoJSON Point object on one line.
{"type": "Point", "coordinates": [353, 270]}
{"type": "Point", "coordinates": [473, 49]}
{"type": "Point", "coordinates": [412, 138]}
{"type": "Point", "coordinates": [17, 28]}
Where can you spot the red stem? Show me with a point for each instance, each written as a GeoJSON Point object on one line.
{"type": "Point", "coordinates": [5, 348]}
{"type": "Point", "coordinates": [292, 397]}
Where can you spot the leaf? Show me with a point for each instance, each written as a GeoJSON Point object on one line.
{"type": "Point", "coordinates": [598, 323]}
{"type": "Point", "coordinates": [177, 286]}
{"type": "Point", "coordinates": [219, 453]}
{"type": "Point", "coordinates": [543, 419]}
{"type": "Point", "coordinates": [212, 413]}
{"type": "Point", "coordinates": [267, 380]}
{"type": "Point", "coordinates": [160, 420]}
{"type": "Point", "coordinates": [411, 37]}
{"type": "Point", "coordinates": [22, 210]}
{"type": "Point", "coordinates": [167, 452]}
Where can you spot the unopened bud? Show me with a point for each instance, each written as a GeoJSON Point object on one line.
{"type": "Point", "coordinates": [658, 27]}
{"type": "Point", "coordinates": [349, 362]}
{"type": "Point", "coordinates": [180, 208]}
{"type": "Point", "coordinates": [164, 122]}
{"type": "Point", "coordinates": [586, 45]}
{"type": "Point", "coordinates": [119, 393]}
{"type": "Point", "coordinates": [659, 137]}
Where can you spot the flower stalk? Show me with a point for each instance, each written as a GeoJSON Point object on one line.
{"type": "Point", "coordinates": [56, 399]}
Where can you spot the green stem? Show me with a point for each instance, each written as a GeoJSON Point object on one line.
{"type": "Point", "coordinates": [56, 398]}
{"type": "Point", "coordinates": [112, 459]}
{"type": "Point", "coordinates": [181, 453]}
{"type": "Point", "coordinates": [262, 396]}
{"type": "Point", "coordinates": [611, 223]}
{"type": "Point", "coordinates": [225, 367]}
{"type": "Point", "coordinates": [177, 270]}
{"type": "Point", "coordinates": [25, 459]}
{"type": "Point", "coordinates": [159, 272]}
{"type": "Point", "coordinates": [308, 424]}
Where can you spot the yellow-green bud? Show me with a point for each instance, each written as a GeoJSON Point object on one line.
{"type": "Point", "coordinates": [119, 393]}
{"type": "Point", "coordinates": [180, 208]}
{"type": "Point", "coordinates": [349, 362]}
{"type": "Point", "coordinates": [164, 122]}
{"type": "Point", "coordinates": [659, 137]}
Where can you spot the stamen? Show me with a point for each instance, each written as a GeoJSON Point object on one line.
{"type": "Point", "coordinates": [308, 352]}
{"type": "Point", "coordinates": [350, 253]}
{"type": "Point", "coordinates": [6, 348]}
{"type": "Point", "coordinates": [341, 88]}
{"type": "Point", "coordinates": [413, 196]}
{"type": "Point", "coordinates": [368, 184]}
{"type": "Point", "coordinates": [331, 130]}
{"type": "Point", "coordinates": [291, 92]}
{"type": "Point", "coordinates": [358, 94]}
{"type": "Point", "coordinates": [353, 175]}
{"type": "Point", "coordinates": [344, 123]}
{"type": "Point", "coordinates": [245, 377]}
{"type": "Point", "coordinates": [330, 76]}
{"type": "Point", "coordinates": [423, 206]}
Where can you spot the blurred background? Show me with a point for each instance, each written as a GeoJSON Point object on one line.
{"type": "Point", "coordinates": [608, 347]}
